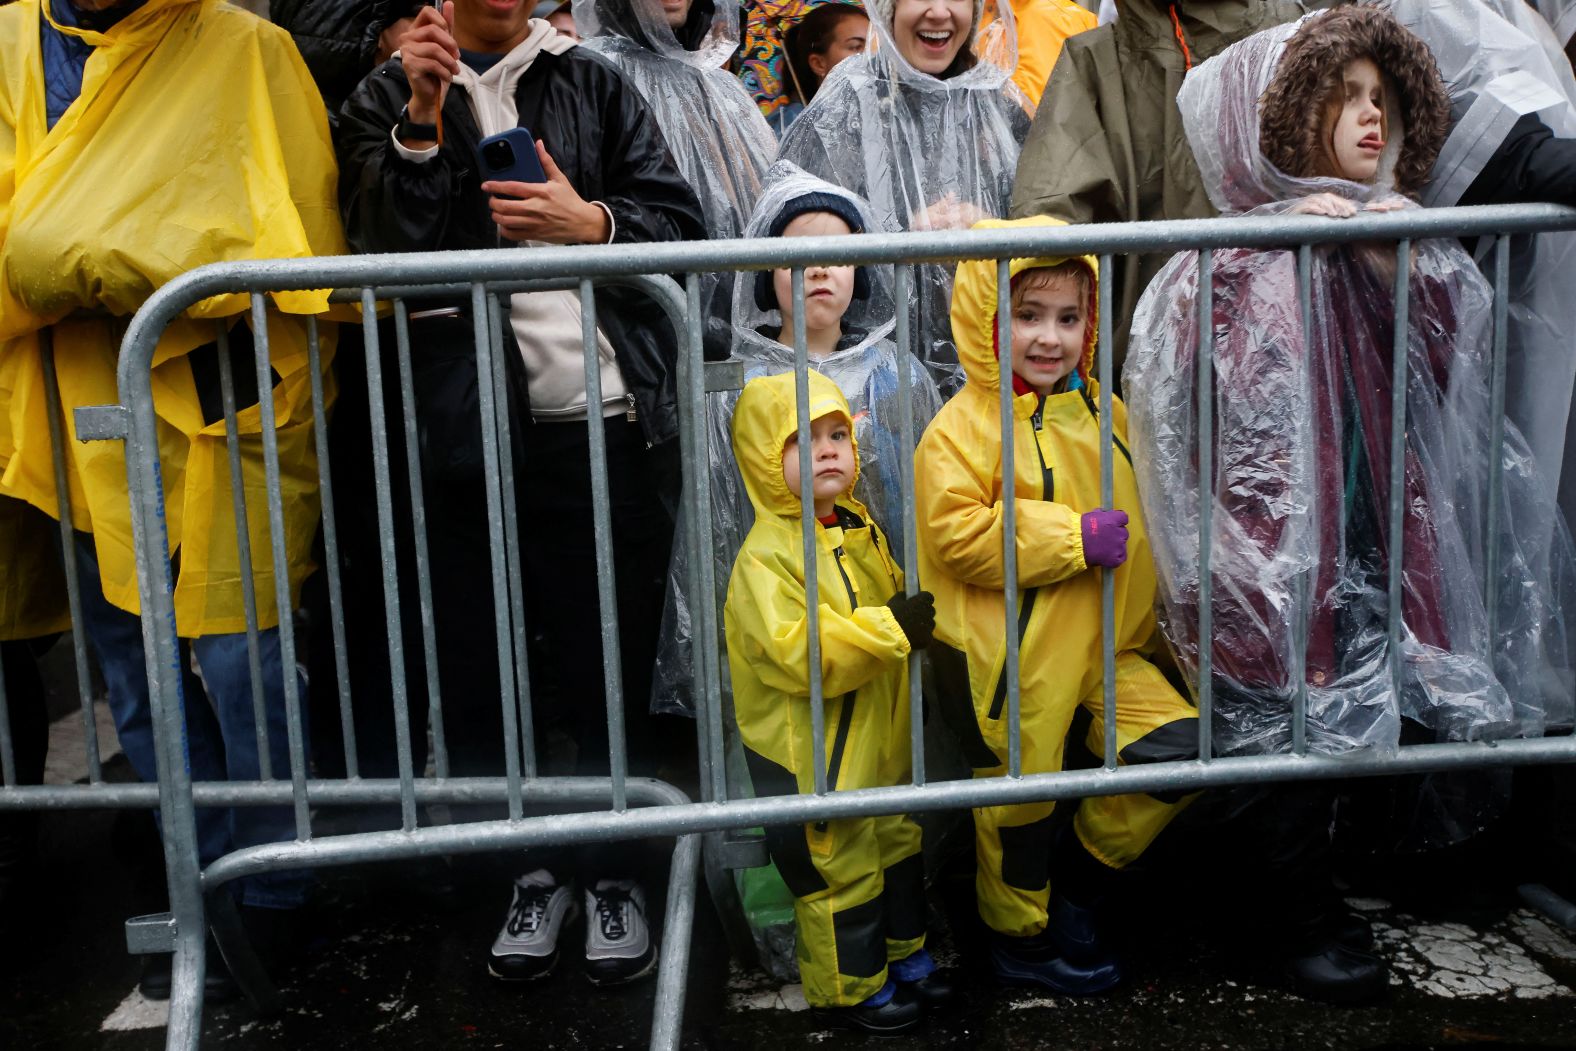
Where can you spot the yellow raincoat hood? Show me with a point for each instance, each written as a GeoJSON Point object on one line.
{"type": "Point", "coordinates": [974, 300]}
{"type": "Point", "coordinates": [765, 417]}
{"type": "Point", "coordinates": [198, 137]}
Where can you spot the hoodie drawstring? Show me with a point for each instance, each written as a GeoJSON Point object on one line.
{"type": "Point", "coordinates": [1176, 23]}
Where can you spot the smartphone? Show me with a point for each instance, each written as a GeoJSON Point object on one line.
{"type": "Point", "coordinates": [510, 156]}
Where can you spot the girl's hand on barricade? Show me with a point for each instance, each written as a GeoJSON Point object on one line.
{"type": "Point", "coordinates": [1387, 204]}
{"type": "Point", "coordinates": [1327, 204]}
{"type": "Point", "coordinates": [551, 211]}
{"type": "Point", "coordinates": [1105, 538]}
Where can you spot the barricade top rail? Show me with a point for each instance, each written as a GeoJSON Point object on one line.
{"type": "Point", "coordinates": [618, 260]}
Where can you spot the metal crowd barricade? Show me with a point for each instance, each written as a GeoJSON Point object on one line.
{"type": "Point", "coordinates": [632, 808]}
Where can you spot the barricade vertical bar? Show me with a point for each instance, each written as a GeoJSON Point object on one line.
{"type": "Point", "coordinates": [418, 522]}
{"type": "Point", "coordinates": [156, 592]}
{"type": "Point", "coordinates": [1299, 697]}
{"type": "Point", "coordinates": [905, 381]}
{"type": "Point", "coordinates": [1496, 462]}
{"type": "Point", "coordinates": [487, 391]}
{"type": "Point", "coordinates": [704, 616]}
{"type": "Point", "coordinates": [387, 556]}
{"type": "Point", "coordinates": [1107, 500]}
{"type": "Point", "coordinates": [807, 523]}
{"type": "Point", "coordinates": [79, 650]}
{"type": "Point", "coordinates": [1206, 501]}
{"type": "Point", "coordinates": [511, 536]}
{"type": "Point", "coordinates": [602, 518]}
{"type": "Point", "coordinates": [667, 1015]}
{"type": "Point", "coordinates": [336, 594]}
{"type": "Point", "coordinates": [268, 424]}
{"type": "Point", "coordinates": [243, 550]}
{"type": "Point", "coordinates": [1009, 515]}
{"type": "Point", "coordinates": [7, 756]}
{"type": "Point", "coordinates": [1397, 538]}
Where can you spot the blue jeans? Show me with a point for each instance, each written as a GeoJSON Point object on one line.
{"type": "Point", "coordinates": [221, 735]}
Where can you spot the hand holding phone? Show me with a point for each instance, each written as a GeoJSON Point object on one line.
{"type": "Point", "coordinates": [509, 156]}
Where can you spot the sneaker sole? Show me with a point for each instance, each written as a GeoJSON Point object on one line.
{"type": "Point", "coordinates": [833, 1020]}
{"type": "Point", "coordinates": [527, 975]}
{"type": "Point", "coordinates": [621, 979]}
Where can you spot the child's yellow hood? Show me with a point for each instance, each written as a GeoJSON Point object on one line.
{"type": "Point", "coordinates": [974, 304]}
{"type": "Point", "coordinates": [764, 418]}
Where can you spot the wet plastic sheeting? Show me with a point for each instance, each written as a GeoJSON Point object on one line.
{"type": "Point", "coordinates": [1301, 490]}
{"type": "Point", "coordinates": [865, 368]}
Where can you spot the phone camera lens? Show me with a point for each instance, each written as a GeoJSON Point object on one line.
{"type": "Point", "coordinates": [499, 155]}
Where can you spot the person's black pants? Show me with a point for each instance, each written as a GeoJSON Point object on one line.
{"type": "Point", "coordinates": [24, 692]}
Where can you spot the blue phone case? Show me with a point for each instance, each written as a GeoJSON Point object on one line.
{"type": "Point", "coordinates": [521, 167]}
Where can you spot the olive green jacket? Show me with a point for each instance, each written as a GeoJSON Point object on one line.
{"type": "Point", "coordinates": [1107, 143]}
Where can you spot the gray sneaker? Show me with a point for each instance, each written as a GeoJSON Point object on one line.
{"type": "Point", "coordinates": [527, 947]}
{"type": "Point", "coordinates": [619, 946]}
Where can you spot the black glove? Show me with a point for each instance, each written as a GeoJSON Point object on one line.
{"type": "Point", "coordinates": [916, 615]}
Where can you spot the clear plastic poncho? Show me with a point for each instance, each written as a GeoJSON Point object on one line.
{"type": "Point", "coordinates": [1561, 16]}
{"type": "Point", "coordinates": [719, 140]}
{"type": "Point", "coordinates": [1498, 69]}
{"type": "Point", "coordinates": [1302, 472]}
{"type": "Point", "coordinates": [927, 153]}
{"type": "Point", "coordinates": [865, 367]}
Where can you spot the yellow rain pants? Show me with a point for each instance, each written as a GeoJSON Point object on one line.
{"type": "Point", "coordinates": [858, 883]}
{"type": "Point", "coordinates": [1057, 479]}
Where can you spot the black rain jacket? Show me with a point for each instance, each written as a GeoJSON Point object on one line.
{"type": "Point", "coordinates": [604, 140]}
{"type": "Point", "coordinates": [339, 38]}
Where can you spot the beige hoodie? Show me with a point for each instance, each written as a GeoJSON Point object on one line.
{"type": "Point", "coordinates": [546, 324]}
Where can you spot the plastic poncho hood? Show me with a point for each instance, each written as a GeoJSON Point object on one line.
{"type": "Point", "coordinates": [1500, 61]}
{"type": "Point", "coordinates": [707, 39]}
{"type": "Point", "coordinates": [975, 298]}
{"type": "Point", "coordinates": [765, 417]}
{"type": "Point", "coordinates": [1266, 154]}
{"type": "Point", "coordinates": [1302, 455]}
{"type": "Point", "coordinates": [927, 152]}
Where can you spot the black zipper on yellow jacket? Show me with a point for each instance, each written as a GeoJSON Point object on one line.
{"type": "Point", "coordinates": [846, 716]}
{"type": "Point", "coordinates": [1048, 492]}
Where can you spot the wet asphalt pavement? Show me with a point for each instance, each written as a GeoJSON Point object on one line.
{"type": "Point", "coordinates": [397, 959]}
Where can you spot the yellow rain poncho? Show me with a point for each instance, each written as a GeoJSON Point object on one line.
{"type": "Point", "coordinates": [959, 489]}
{"type": "Point", "coordinates": [858, 883]}
{"type": "Point", "coordinates": [198, 137]}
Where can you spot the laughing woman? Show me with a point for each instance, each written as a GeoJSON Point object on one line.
{"type": "Point", "coordinates": [925, 125]}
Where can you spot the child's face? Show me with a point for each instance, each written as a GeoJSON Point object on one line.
{"type": "Point", "coordinates": [831, 461]}
{"type": "Point", "coordinates": [1049, 323]}
{"type": "Point", "coordinates": [827, 289]}
{"type": "Point", "coordinates": [1357, 139]}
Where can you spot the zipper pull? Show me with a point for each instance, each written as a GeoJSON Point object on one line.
{"type": "Point", "coordinates": [630, 414]}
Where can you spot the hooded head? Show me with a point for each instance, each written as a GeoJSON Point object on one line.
{"type": "Point", "coordinates": [764, 418]}
{"type": "Point", "coordinates": [1260, 116]}
{"type": "Point", "coordinates": [789, 192]}
{"type": "Point", "coordinates": [707, 37]}
{"type": "Point", "coordinates": [985, 60]}
{"type": "Point", "coordinates": [974, 302]}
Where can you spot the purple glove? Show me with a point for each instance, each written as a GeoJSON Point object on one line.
{"type": "Point", "coordinates": [1105, 538]}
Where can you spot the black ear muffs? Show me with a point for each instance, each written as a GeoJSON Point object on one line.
{"type": "Point", "coordinates": [766, 295]}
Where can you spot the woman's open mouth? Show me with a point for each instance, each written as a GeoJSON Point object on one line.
{"type": "Point", "coordinates": [934, 40]}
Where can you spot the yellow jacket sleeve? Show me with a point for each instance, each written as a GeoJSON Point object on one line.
{"type": "Point", "coordinates": [963, 522]}
{"type": "Point", "coordinates": [772, 625]}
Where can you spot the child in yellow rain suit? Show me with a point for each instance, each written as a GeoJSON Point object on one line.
{"type": "Point", "coordinates": [1040, 936]}
{"type": "Point", "coordinates": [858, 883]}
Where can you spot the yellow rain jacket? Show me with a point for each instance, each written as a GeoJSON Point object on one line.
{"type": "Point", "coordinates": [1043, 27]}
{"type": "Point", "coordinates": [858, 883]}
{"type": "Point", "coordinates": [1057, 479]}
{"type": "Point", "coordinates": [198, 137]}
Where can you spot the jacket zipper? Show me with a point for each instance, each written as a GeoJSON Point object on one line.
{"type": "Point", "coordinates": [846, 717]}
{"type": "Point", "coordinates": [1047, 492]}
{"type": "Point", "coordinates": [1089, 403]}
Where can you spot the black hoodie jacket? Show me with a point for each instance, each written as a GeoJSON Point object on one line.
{"type": "Point", "coordinates": [603, 139]}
